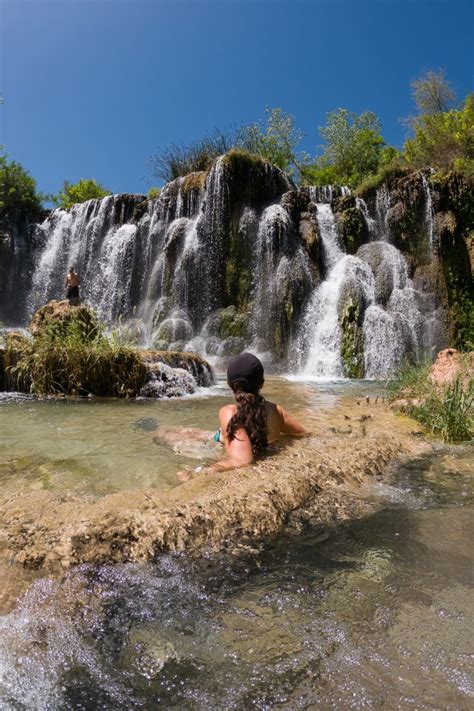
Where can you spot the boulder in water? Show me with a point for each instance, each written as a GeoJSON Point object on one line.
{"type": "Point", "coordinates": [164, 381]}
{"type": "Point", "coordinates": [62, 314]}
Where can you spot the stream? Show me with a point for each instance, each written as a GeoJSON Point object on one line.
{"type": "Point", "coordinates": [377, 613]}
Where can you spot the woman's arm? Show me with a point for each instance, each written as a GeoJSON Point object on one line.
{"type": "Point", "coordinates": [289, 425]}
{"type": "Point", "coordinates": [239, 452]}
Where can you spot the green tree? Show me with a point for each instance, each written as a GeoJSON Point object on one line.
{"type": "Point", "coordinates": [432, 92]}
{"type": "Point", "coordinates": [18, 194]}
{"type": "Point", "coordinates": [276, 140]}
{"type": "Point", "coordinates": [443, 140]}
{"type": "Point", "coordinates": [83, 190]}
{"type": "Point", "coordinates": [352, 150]}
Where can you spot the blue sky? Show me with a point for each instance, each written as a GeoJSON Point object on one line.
{"type": "Point", "coordinates": [94, 87]}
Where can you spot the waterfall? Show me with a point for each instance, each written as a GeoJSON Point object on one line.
{"type": "Point", "coordinates": [91, 237]}
{"type": "Point", "coordinates": [394, 319]}
{"type": "Point", "coordinates": [238, 258]}
{"type": "Point", "coordinates": [282, 270]}
{"type": "Point", "coordinates": [383, 346]}
{"type": "Point", "coordinates": [429, 212]}
{"type": "Point", "coordinates": [320, 334]}
{"type": "Point", "coordinates": [332, 251]}
{"type": "Point", "coordinates": [382, 206]}
{"type": "Point", "coordinates": [369, 220]}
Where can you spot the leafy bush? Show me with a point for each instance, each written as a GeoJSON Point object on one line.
{"type": "Point", "coordinates": [18, 194]}
{"type": "Point", "coordinates": [447, 412]}
{"type": "Point", "coordinates": [73, 356]}
{"type": "Point", "coordinates": [276, 141]}
{"type": "Point", "coordinates": [385, 173]}
{"type": "Point", "coordinates": [154, 193]}
{"type": "Point", "coordinates": [443, 140]}
{"type": "Point", "coordinates": [353, 149]}
{"type": "Point", "coordinates": [83, 190]}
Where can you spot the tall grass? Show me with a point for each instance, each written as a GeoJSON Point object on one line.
{"type": "Point", "coordinates": [74, 357]}
{"type": "Point", "coordinates": [449, 415]}
{"type": "Point", "coordinates": [445, 411]}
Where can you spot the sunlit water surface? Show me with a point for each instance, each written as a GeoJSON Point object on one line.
{"type": "Point", "coordinates": [97, 447]}
{"type": "Point", "coordinates": [379, 615]}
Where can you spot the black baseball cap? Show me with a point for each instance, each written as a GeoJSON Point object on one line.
{"type": "Point", "coordinates": [245, 367]}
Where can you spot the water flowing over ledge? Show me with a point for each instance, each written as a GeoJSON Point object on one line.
{"type": "Point", "coordinates": [315, 280]}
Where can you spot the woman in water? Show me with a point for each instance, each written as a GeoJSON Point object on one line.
{"type": "Point", "coordinates": [247, 426]}
{"type": "Point", "coordinates": [252, 423]}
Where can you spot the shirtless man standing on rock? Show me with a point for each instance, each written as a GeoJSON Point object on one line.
{"type": "Point", "coordinates": [71, 283]}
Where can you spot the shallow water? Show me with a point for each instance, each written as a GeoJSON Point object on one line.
{"type": "Point", "coordinates": [93, 448]}
{"type": "Point", "coordinates": [379, 615]}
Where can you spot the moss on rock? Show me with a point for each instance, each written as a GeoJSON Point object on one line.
{"type": "Point", "coordinates": [352, 228]}
{"type": "Point", "coordinates": [251, 180]}
{"type": "Point", "coordinates": [228, 322]}
{"type": "Point", "coordinates": [352, 353]}
{"type": "Point", "coordinates": [454, 212]}
{"type": "Point", "coordinates": [194, 181]}
{"type": "Point", "coordinates": [59, 319]}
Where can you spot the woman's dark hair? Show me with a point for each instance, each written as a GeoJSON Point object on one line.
{"type": "Point", "coordinates": [245, 378]}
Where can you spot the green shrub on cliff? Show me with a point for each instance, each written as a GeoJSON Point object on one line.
{"type": "Point", "coordinates": [83, 190]}
{"type": "Point", "coordinates": [443, 140]}
{"type": "Point", "coordinates": [353, 149]}
{"type": "Point", "coordinates": [175, 161]}
{"type": "Point", "coordinates": [275, 141]}
{"type": "Point", "coordinates": [73, 356]}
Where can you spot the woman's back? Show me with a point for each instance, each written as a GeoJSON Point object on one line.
{"type": "Point", "coordinates": [278, 421]}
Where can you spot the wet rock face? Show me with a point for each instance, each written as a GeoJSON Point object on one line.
{"type": "Point", "coordinates": [309, 234]}
{"type": "Point", "coordinates": [353, 229]}
{"type": "Point", "coordinates": [388, 266]}
{"type": "Point", "coordinates": [190, 363]}
{"type": "Point", "coordinates": [164, 381]}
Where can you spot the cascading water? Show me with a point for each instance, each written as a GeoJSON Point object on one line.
{"type": "Point", "coordinates": [92, 237]}
{"type": "Point", "coordinates": [216, 265]}
{"type": "Point", "coordinates": [429, 212]}
{"type": "Point", "coordinates": [394, 319]}
{"type": "Point", "coordinates": [320, 326]}
{"type": "Point", "coordinates": [282, 269]}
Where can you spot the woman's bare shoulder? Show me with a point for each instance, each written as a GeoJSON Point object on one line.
{"type": "Point", "coordinates": [226, 412]}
